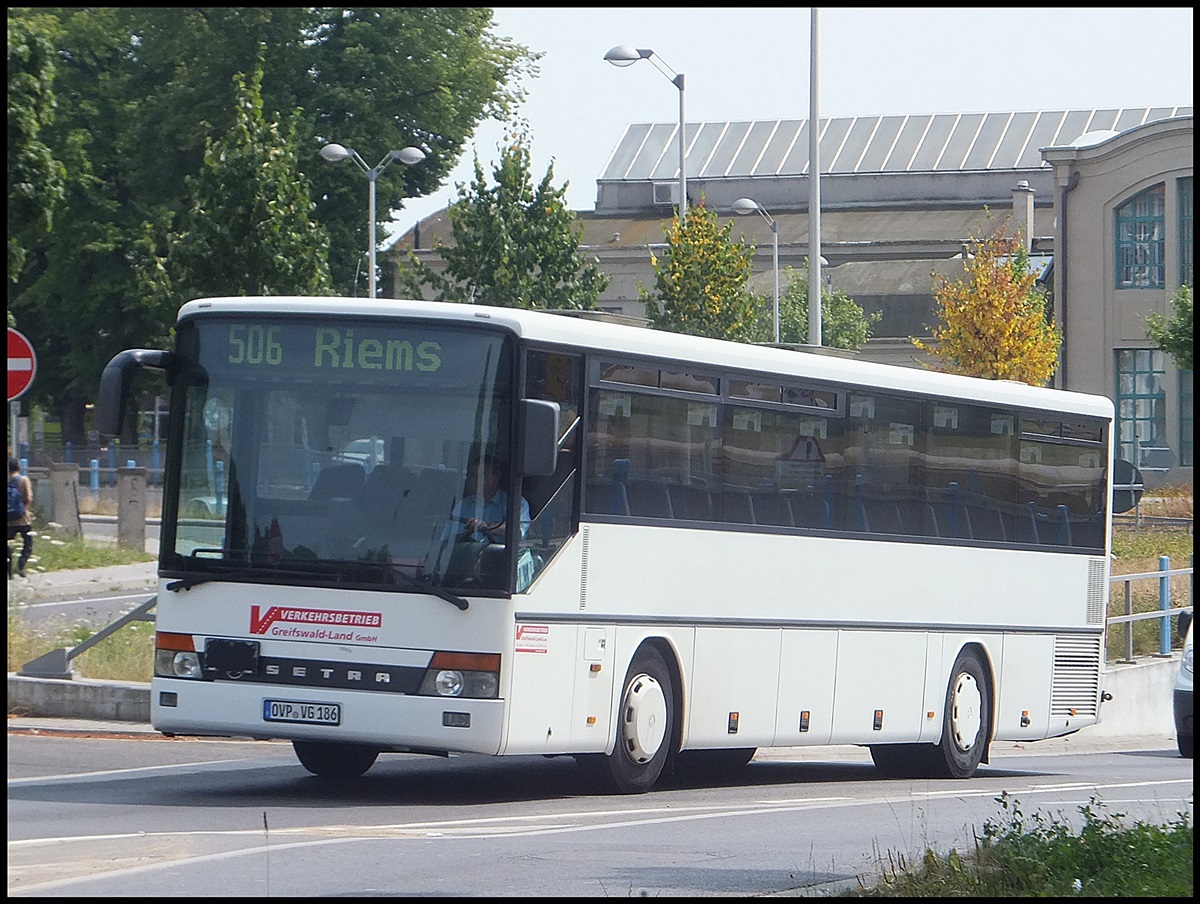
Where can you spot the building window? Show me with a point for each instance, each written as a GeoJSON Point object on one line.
{"type": "Point", "coordinates": [1140, 240]}
{"type": "Point", "coordinates": [1141, 404]}
{"type": "Point", "coordinates": [1185, 418]}
{"type": "Point", "coordinates": [1186, 235]}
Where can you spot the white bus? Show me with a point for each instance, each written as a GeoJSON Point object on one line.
{"type": "Point", "coordinates": [729, 546]}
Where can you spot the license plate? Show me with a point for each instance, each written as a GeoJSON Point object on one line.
{"type": "Point", "coordinates": [304, 713]}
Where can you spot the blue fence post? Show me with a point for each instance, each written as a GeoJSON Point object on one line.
{"type": "Point", "coordinates": [131, 463]}
{"type": "Point", "coordinates": [154, 461]}
{"type": "Point", "coordinates": [112, 464]}
{"type": "Point", "coordinates": [208, 463]}
{"type": "Point", "coordinates": [25, 451]}
{"type": "Point", "coordinates": [67, 451]}
{"type": "Point", "coordinates": [1164, 603]}
{"type": "Point", "coordinates": [95, 477]}
{"type": "Point", "coordinates": [24, 465]}
{"type": "Point", "coordinates": [220, 494]}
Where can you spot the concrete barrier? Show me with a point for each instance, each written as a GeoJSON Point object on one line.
{"type": "Point", "coordinates": [79, 698]}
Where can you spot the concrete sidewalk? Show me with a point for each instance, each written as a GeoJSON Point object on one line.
{"type": "Point", "coordinates": [69, 583]}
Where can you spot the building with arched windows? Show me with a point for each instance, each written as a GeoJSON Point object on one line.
{"type": "Point", "coordinates": [1103, 199]}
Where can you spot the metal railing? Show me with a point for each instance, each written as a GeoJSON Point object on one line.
{"type": "Point", "coordinates": [1165, 611]}
{"type": "Point", "coordinates": [57, 663]}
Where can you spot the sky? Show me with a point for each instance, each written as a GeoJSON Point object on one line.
{"type": "Point", "coordinates": [753, 63]}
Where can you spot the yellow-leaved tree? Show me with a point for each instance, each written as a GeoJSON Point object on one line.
{"type": "Point", "coordinates": [993, 322]}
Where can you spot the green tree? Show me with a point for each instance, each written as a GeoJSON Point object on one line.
{"type": "Point", "coordinates": [700, 280]}
{"type": "Point", "coordinates": [35, 175]}
{"type": "Point", "coordinates": [140, 93]}
{"type": "Point", "coordinates": [515, 244]}
{"type": "Point", "coordinates": [249, 230]}
{"type": "Point", "coordinates": [1174, 335]}
{"type": "Point", "coordinates": [843, 322]}
{"type": "Point", "coordinates": [993, 322]}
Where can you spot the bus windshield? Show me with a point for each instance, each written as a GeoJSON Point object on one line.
{"type": "Point", "coordinates": [334, 451]}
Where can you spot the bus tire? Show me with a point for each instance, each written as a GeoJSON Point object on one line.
{"type": "Point", "coordinates": [966, 722]}
{"type": "Point", "coordinates": [645, 725]}
{"type": "Point", "coordinates": [334, 761]}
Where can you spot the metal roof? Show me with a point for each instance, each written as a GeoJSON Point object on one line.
{"type": "Point", "coordinates": [919, 143]}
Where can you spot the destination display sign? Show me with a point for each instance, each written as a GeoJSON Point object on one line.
{"type": "Point", "coordinates": [355, 351]}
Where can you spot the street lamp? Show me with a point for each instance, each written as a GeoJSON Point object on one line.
{"type": "Point", "coordinates": [623, 55]}
{"type": "Point", "coordinates": [408, 156]}
{"type": "Point", "coordinates": [743, 206]}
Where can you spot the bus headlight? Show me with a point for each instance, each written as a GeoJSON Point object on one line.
{"type": "Point", "coordinates": [175, 656]}
{"type": "Point", "coordinates": [176, 664]}
{"type": "Point", "coordinates": [474, 675]}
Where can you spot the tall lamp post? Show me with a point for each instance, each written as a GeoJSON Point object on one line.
{"type": "Point", "coordinates": [408, 156]}
{"type": "Point", "coordinates": [743, 206]}
{"type": "Point", "coordinates": [623, 55]}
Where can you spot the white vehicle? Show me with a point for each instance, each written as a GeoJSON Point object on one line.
{"type": "Point", "coordinates": [731, 546]}
{"type": "Point", "coordinates": [1183, 689]}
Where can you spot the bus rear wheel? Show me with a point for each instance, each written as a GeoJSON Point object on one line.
{"type": "Point", "coordinates": [334, 761]}
{"type": "Point", "coordinates": [645, 726]}
{"type": "Point", "coordinates": [966, 727]}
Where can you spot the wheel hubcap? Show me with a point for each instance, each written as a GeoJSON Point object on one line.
{"type": "Point", "coordinates": [644, 725]}
{"type": "Point", "coordinates": [966, 712]}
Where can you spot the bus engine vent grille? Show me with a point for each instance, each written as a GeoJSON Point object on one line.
{"type": "Point", "coordinates": [1097, 598]}
{"type": "Point", "coordinates": [1076, 685]}
{"type": "Point", "coordinates": [583, 570]}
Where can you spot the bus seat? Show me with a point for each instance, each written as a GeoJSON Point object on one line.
{"type": "Point", "coordinates": [341, 481]}
{"type": "Point", "coordinates": [649, 499]}
{"type": "Point", "coordinates": [606, 497]}
{"type": "Point", "coordinates": [772, 508]}
{"type": "Point", "coordinates": [736, 507]}
{"type": "Point", "coordinates": [385, 487]}
{"type": "Point", "coordinates": [690, 503]}
{"type": "Point", "coordinates": [810, 510]}
{"type": "Point", "coordinates": [882, 516]}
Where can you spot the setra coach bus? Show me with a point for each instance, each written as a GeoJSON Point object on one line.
{"type": "Point", "coordinates": [721, 546]}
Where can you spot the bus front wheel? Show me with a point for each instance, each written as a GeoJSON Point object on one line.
{"type": "Point", "coordinates": [645, 726]}
{"type": "Point", "coordinates": [334, 761]}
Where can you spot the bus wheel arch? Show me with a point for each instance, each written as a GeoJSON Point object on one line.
{"type": "Point", "coordinates": [647, 728]}
{"type": "Point", "coordinates": [968, 720]}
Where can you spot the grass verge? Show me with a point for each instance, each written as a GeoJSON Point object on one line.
{"type": "Point", "coordinates": [1020, 856]}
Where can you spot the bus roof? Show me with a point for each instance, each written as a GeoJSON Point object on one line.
{"type": "Point", "coordinates": [552, 327]}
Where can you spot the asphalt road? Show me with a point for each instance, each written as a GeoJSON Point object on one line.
{"type": "Point", "coordinates": [131, 815]}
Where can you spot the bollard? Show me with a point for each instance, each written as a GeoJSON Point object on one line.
{"type": "Point", "coordinates": [94, 481]}
{"type": "Point", "coordinates": [1164, 604]}
{"type": "Point", "coordinates": [131, 508]}
{"type": "Point", "coordinates": [64, 482]}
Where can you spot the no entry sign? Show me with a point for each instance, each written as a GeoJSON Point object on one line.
{"type": "Point", "coordinates": [22, 364]}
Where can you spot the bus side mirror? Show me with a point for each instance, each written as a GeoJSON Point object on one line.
{"type": "Point", "coordinates": [113, 396]}
{"type": "Point", "coordinates": [539, 433]}
{"type": "Point", "coordinates": [1127, 486]}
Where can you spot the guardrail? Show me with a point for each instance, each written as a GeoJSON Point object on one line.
{"type": "Point", "coordinates": [1165, 611]}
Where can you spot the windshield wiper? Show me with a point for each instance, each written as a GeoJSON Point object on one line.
{"type": "Point", "coordinates": [429, 587]}
{"type": "Point", "coordinates": [188, 583]}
